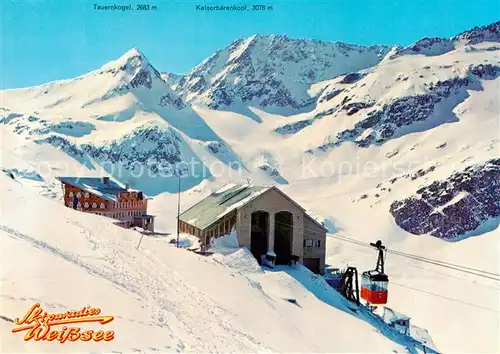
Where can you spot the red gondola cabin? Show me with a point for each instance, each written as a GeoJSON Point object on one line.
{"type": "Point", "coordinates": [374, 288]}
{"type": "Point", "coordinates": [374, 283]}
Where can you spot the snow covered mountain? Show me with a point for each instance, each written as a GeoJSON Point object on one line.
{"type": "Point", "coordinates": [126, 117]}
{"type": "Point", "coordinates": [438, 46]}
{"type": "Point", "coordinates": [120, 113]}
{"type": "Point", "coordinates": [272, 71]}
{"type": "Point", "coordinates": [403, 139]}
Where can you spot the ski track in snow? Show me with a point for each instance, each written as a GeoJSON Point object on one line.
{"type": "Point", "coordinates": [214, 319]}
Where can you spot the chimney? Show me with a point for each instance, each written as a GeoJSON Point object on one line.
{"type": "Point", "coordinates": [105, 180]}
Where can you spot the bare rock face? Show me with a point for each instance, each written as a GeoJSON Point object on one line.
{"type": "Point", "coordinates": [489, 33]}
{"type": "Point", "coordinates": [437, 46]}
{"type": "Point", "coordinates": [466, 203]}
{"type": "Point", "coordinates": [149, 146]}
{"type": "Point", "coordinates": [428, 46]}
{"type": "Point", "coordinates": [170, 99]}
{"type": "Point", "coordinates": [388, 121]}
{"type": "Point", "coordinates": [351, 78]}
{"type": "Point", "coordinates": [292, 128]}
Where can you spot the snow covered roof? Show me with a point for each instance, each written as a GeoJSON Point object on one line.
{"type": "Point", "coordinates": [96, 186]}
{"type": "Point", "coordinates": [220, 203]}
{"type": "Point", "coordinates": [226, 199]}
{"type": "Point", "coordinates": [390, 315]}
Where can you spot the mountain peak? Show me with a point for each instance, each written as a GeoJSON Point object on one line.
{"type": "Point", "coordinates": [134, 52]}
{"type": "Point", "coordinates": [130, 61]}
{"type": "Point", "coordinates": [134, 68]}
{"type": "Point", "coordinates": [133, 57]}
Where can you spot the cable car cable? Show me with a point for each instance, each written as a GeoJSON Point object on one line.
{"type": "Point", "coordinates": [456, 267]}
{"type": "Point", "coordinates": [420, 257]}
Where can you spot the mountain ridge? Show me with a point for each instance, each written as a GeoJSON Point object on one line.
{"type": "Point", "coordinates": [127, 110]}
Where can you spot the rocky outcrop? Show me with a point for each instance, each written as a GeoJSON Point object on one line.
{"type": "Point", "coordinates": [454, 208]}
{"type": "Point", "coordinates": [351, 78]}
{"type": "Point", "coordinates": [273, 173]}
{"type": "Point", "coordinates": [171, 99]}
{"type": "Point", "coordinates": [150, 146]}
{"type": "Point", "coordinates": [437, 46]}
{"type": "Point", "coordinates": [72, 128]}
{"type": "Point", "coordinates": [489, 33]}
{"type": "Point", "coordinates": [34, 125]}
{"type": "Point", "coordinates": [486, 71]}
{"type": "Point", "coordinates": [355, 107]}
{"type": "Point", "coordinates": [382, 124]}
{"type": "Point", "coordinates": [293, 128]}
{"type": "Point", "coordinates": [327, 95]}
{"type": "Point", "coordinates": [427, 46]}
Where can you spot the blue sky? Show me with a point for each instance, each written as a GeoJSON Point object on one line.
{"type": "Point", "coordinates": [43, 41]}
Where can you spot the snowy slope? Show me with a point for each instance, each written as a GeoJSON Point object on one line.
{"type": "Point", "coordinates": [187, 303]}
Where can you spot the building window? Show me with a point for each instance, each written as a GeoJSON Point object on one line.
{"type": "Point", "coordinates": [102, 206]}
{"type": "Point", "coordinates": [308, 243]}
{"type": "Point", "coordinates": [87, 194]}
{"type": "Point", "coordinates": [86, 204]}
{"type": "Point", "coordinates": [79, 195]}
{"type": "Point", "coordinates": [94, 205]}
{"type": "Point", "coordinates": [71, 194]}
{"type": "Point", "coordinates": [317, 243]}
